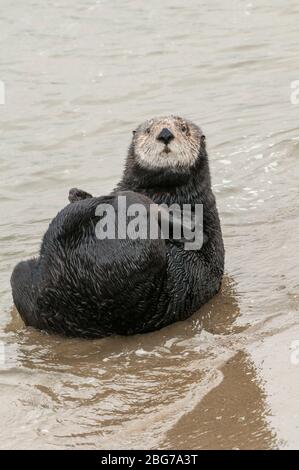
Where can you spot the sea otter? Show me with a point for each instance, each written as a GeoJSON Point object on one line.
{"type": "Point", "coordinates": [81, 285]}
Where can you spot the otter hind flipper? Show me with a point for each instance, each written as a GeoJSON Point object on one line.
{"type": "Point", "coordinates": [76, 194]}
{"type": "Point", "coordinates": [23, 291]}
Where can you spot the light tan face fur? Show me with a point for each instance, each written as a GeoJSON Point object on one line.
{"type": "Point", "coordinates": [182, 151]}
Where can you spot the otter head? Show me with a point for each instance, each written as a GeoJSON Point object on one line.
{"type": "Point", "coordinates": [167, 143]}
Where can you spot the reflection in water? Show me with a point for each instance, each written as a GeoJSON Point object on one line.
{"type": "Point", "coordinates": [219, 315]}
{"type": "Point", "coordinates": [131, 391]}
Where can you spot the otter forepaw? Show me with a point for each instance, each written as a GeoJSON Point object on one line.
{"type": "Point", "coordinates": [76, 194]}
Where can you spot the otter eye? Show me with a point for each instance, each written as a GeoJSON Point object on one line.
{"type": "Point", "coordinates": [133, 132]}
{"type": "Point", "coordinates": [148, 130]}
{"type": "Point", "coordinates": [184, 128]}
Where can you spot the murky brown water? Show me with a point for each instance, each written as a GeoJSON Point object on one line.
{"type": "Point", "coordinates": [79, 77]}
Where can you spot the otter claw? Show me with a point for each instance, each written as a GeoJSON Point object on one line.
{"type": "Point", "coordinates": [76, 194]}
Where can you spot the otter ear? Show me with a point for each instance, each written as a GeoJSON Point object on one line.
{"type": "Point", "coordinates": [203, 140]}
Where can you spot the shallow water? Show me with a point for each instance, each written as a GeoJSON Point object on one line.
{"type": "Point", "coordinates": [79, 77]}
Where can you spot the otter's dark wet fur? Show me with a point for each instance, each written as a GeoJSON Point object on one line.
{"type": "Point", "coordinates": [82, 286]}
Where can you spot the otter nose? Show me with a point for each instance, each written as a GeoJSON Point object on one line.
{"type": "Point", "coordinates": [165, 136]}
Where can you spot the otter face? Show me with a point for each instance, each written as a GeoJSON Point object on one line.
{"type": "Point", "coordinates": [167, 142]}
